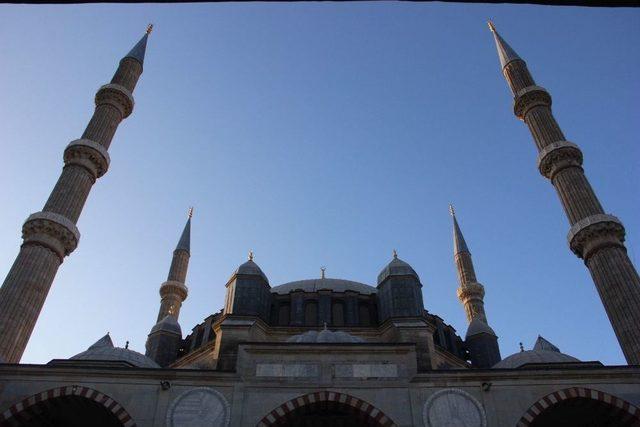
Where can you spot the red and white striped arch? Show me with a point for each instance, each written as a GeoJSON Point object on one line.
{"type": "Point", "coordinates": [626, 410]}
{"type": "Point", "coordinates": [20, 411]}
{"type": "Point", "coordinates": [279, 414]}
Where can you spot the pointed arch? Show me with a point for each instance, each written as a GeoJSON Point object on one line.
{"type": "Point", "coordinates": [629, 414]}
{"type": "Point", "coordinates": [24, 410]}
{"type": "Point", "coordinates": [280, 414]}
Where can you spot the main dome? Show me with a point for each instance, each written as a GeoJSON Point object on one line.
{"type": "Point", "coordinates": [314, 285]}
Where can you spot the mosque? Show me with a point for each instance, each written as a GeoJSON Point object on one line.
{"type": "Point", "coordinates": [324, 351]}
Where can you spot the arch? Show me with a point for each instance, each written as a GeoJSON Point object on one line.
{"type": "Point", "coordinates": [23, 411]}
{"type": "Point", "coordinates": [280, 415]}
{"type": "Point", "coordinates": [628, 414]}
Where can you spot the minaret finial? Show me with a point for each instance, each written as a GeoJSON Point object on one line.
{"type": "Point", "coordinates": [451, 210]}
{"type": "Point", "coordinates": [149, 28]}
{"type": "Point", "coordinates": [491, 26]}
{"type": "Point", "coordinates": [322, 270]}
{"type": "Point", "coordinates": [395, 254]}
{"type": "Point", "coordinates": [521, 347]}
{"type": "Point", "coordinates": [190, 212]}
{"type": "Point", "coordinates": [251, 255]}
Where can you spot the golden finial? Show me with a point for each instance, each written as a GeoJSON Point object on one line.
{"type": "Point", "coordinates": [451, 210]}
{"type": "Point", "coordinates": [149, 28]}
{"type": "Point", "coordinates": [395, 254]}
{"type": "Point", "coordinates": [322, 270]}
{"type": "Point", "coordinates": [190, 213]}
{"type": "Point", "coordinates": [251, 255]}
{"type": "Point", "coordinates": [491, 26]}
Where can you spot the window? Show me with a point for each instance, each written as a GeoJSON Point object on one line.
{"type": "Point", "coordinates": [284, 312]}
{"type": "Point", "coordinates": [337, 311]}
{"type": "Point", "coordinates": [311, 314]}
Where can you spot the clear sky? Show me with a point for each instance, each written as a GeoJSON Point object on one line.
{"type": "Point", "coordinates": [319, 134]}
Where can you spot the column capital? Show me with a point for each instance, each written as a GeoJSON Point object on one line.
{"type": "Point", "coordinates": [470, 290]}
{"type": "Point", "coordinates": [529, 97]}
{"type": "Point", "coordinates": [52, 231]}
{"type": "Point", "coordinates": [557, 156]}
{"type": "Point", "coordinates": [117, 96]}
{"type": "Point", "coordinates": [88, 154]}
{"type": "Point", "coordinates": [174, 287]}
{"type": "Point", "coordinates": [595, 232]}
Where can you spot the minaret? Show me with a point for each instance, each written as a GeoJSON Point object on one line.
{"type": "Point", "coordinates": [50, 235]}
{"type": "Point", "coordinates": [594, 236]}
{"type": "Point", "coordinates": [481, 340]}
{"type": "Point", "coordinates": [174, 291]}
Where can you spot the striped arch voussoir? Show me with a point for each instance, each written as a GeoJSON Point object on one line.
{"type": "Point", "coordinates": [626, 410]}
{"type": "Point", "coordinates": [20, 411]}
{"type": "Point", "coordinates": [280, 413]}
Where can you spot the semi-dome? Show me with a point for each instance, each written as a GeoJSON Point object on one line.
{"type": "Point", "coordinates": [543, 352]}
{"type": "Point", "coordinates": [477, 326]}
{"type": "Point", "coordinates": [314, 285]}
{"type": "Point", "coordinates": [250, 268]}
{"type": "Point", "coordinates": [396, 267]}
{"type": "Point", "coordinates": [104, 350]}
{"type": "Point", "coordinates": [167, 324]}
{"type": "Point", "coordinates": [325, 336]}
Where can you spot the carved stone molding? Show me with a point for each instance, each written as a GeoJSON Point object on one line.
{"type": "Point", "coordinates": [453, 407]}
{"type": "Point", "coordinates": [529, 97]}
{"type": "Point", "coordinates": [52, 231]}
{"type": "Point", "coordinates": [557, 156]}
{"type": "Point", "coordinates": [117, 96]}
{"type": "Point", "coordinates": [88, 154]}
{"type": "Point", "coordinates": [174, 287]}
{"type": "Point", "coordinates": [595, 232]}
{"type": "Point", "coordinates": [470, 290]}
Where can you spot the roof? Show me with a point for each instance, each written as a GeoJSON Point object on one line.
{"type": "Point", "coordinates": [250, 268]}
{"type": "Point", "coordinates": [477, 326]}
{"type": "Point", "coordinates": [543, 352]}
{"type": "Point", "coordinates": [139, 50]}
{"type": "Point", "coordinates": [103, 349]}
{"type": "Point", "coordinates": [396, 267]}
{"type": "Point", "coordinates": [167, 324]}
{"type": "Point", "coordinates": [325, 336]}
{"type": "Point", "coordinates": [185, 238]}
{"type": "Point", "coordinates": [505, 52]}
{"type": "Point", "coordinates": [314, 285]}
{"type": "Point", "coordinates": [459, 245]}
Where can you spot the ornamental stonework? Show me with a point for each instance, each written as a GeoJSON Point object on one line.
{"type": "Point", "coordinates": [88, 154]}
{"type": "Point", "coordinates": [199, 407]}
{"type": "Point", "coordinates": [117, 96]}
{"type": "Point", "coordinates": [529, 97]}
{"type": "Point", "coordinates": [558, 156]}
{"type": "Point", "coordinates": [595, 232]}
{"type": "Point", "coordinates": [453, 407]}
{"type": "Point", "coordinates": [52, 231]}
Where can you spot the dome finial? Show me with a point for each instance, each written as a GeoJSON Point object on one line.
{"type": "Point", "coordinates": [521, 347]}
{"type": "Point", "coordinates": [322, 270]}
{"type": "Point", "coordinates": [251, 255]}
{"type": "Point", "coordinates": [149, 29]}
{"type": "Point", "coordinates": [325, 326]}
{"type": "Point", "coordinates": [395, 254]}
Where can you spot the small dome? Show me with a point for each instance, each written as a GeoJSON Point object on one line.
{"type": "Point", "coordinates": [543, 352]}
{"type": "Point", "coordinates": [250, 268]}
{"type": "Point", "coordinates": [325, 336]}
{"type": "Point", "coordinates": [168, 324]}
{"type": "Point", "coordinates": [477, 326]}
{"type": "Point", "coordinates": [104, 350]}
{"type": "Point", "coordinates": [396, 267]}
{"type": "Point", "coordinates": [314, 285]}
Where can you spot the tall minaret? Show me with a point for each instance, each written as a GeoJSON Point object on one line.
{"type": "Point", "coordinates": [481, 340]}
{"type": "Point", "coordinates": [174, 291]}
{"type": "Point", "coordinates": [50, 235]}
{"type": "Point", "coordinates": [594, 236]}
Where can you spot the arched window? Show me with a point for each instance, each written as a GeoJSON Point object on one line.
{"type": "Point", "coordinates": [311, 313]}
{"type": "Point", "coordinates": [337, 311]}
{"type": "Point", "coordinates": [284, 311]}
{"type": "Point", "coordinates": [364, 315]}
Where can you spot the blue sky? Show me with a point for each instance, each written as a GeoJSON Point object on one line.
{"type": "Point", "coordinates": [319, 134]}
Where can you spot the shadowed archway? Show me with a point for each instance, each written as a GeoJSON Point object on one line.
{"type": "Point", "coordinates": [581, 407]}
{"type": "Point", "coordinates": [71, 406]}
{"type": "Point", "coordinates": [326, 408]}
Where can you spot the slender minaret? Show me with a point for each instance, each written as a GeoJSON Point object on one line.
{"type": "Point", "coordinates": [50, 235]}
{"type": "Point", "coordinates": [594, 236]}
{"type": "Point", "coordinates": [481, 340]}
{"type": "Point", "coordinates": [174, 291]}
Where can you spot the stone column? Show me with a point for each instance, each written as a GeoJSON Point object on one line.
{"type": "Point", "coordinates": [50, 235]}
{"type": "Point", "coordinates": [594, 236]}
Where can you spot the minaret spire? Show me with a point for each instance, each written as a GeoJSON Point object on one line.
{"type": "Point", "coordinates": [595, 236]}
{"type": "Point", "coordinates": [50, 235]}
{"type": "Point", "coordinates": [139, 50]}
{"type": "Point", "coordinates": [480, 339]}
{"type": "Point", "coordinates": [505, 52]}
{"type": "Point", "coordinates": [174, 291]}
